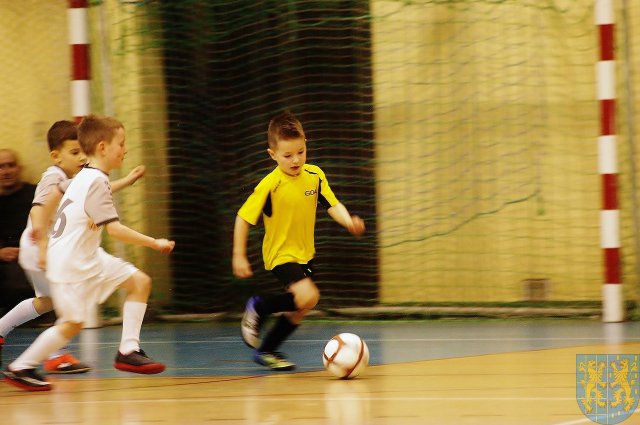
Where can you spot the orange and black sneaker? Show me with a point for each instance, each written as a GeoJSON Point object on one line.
{"type": "Point", "coordinates": [138, 362]}
{"type": "Point", "coordinates": [65, 363]}
{"type": "Point", "coordinates": [1, 344]}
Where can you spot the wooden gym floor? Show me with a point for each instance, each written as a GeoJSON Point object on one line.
{"type": "Point", "coordinates": [422, 372]}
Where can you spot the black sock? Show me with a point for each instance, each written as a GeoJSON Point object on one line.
{"type": "Point", "coordinates": [276, 304]}
{"type": "Point", "coordinates": [280, 331]}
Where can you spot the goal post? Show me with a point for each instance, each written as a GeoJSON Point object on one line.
{"type": "Point", "coordinates": [612, 298]}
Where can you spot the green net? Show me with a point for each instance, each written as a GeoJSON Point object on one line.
{"type": "Point", "coordinates": [246, 62]}
{"type": "Point", "coordinates": [463, 132]}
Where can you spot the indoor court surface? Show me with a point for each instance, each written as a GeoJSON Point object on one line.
{"type": "Point", "coordinates": [421, 372]}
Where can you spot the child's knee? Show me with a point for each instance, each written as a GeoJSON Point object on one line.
{"type": "Point", "coordinates": [307, 298]}
{"type": "Point", "coordinates": [141, 283]}
{"type": "Point", "coordinates": [43, 305]}
{"type": "Point", "coordinates": [314, 297]}
{"type": "Point", "coordinates": [145, 283]}
{"type": "Point", "coordinates": [70, 329]}
{"type": "Point", "coordinates": [138, 287]}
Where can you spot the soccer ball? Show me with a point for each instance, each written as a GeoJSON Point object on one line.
{"type": "Point", "coordinates": [346, 355]}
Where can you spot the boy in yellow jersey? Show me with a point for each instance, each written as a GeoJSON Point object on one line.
{"type": "Point", "coordinates": [286, 199]}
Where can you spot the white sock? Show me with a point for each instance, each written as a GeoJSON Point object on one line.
{"type": "Point", "coordinates": [132, 317]}
{"type": "Point", "coordinates": [58, 353]}
{"type": "Point", "coordinates": [48, 342]}
{"type": "Point", "coordinates": [21, 313]}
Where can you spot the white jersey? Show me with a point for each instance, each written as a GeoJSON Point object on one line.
{"type": "Point", "coordinates": [28, 257]}
{"type": "Point", "coordinates": [73, 243]}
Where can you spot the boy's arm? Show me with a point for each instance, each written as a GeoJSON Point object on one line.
{"type": "Point", "coordinates": [41, 216]}
{"type": "Point", "coordinates": [240, 262]}
{"type": "Point", "coordinates": [128, 235]}
{"type": "Point", "coordinates": [353, 223]}
{"type": "Point", "coordinates": [129, 180]}
{"type": "Point", "coordinates": [37, 216]}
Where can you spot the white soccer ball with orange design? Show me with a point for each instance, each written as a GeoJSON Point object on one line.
{"type": "Point", "coordinates": [346, 355]}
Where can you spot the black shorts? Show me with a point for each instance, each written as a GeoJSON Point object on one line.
{"type": "Point", "coordinates": [289, 273]}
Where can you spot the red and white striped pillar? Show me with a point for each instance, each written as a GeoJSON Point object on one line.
{"type": "Point", "coordinates": [612, 299]}
{"type": "Point", "coordinates": [79, 41]}
{"type": "Point", "coordinates": [80, 94]}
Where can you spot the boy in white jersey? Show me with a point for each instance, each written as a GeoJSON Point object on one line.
{"type": "Point", "coordinates": [81, 273]}
{"type": "Point", "coordinates": [68, 159]}
{"type": "Point", "coordinates": [286, 199]}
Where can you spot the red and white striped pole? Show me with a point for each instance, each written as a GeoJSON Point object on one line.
{"type": "Point", "coordinates": [79, 41]}
{"type": "Point", "coordinates": [612, 300]}
{"type": "Point", "coordinates": [80, 94]}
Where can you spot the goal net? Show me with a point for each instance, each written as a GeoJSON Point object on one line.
{"type": "Point", "coordinates": [463, 132]}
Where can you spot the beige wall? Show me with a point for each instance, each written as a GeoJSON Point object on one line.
{"type": "Point", "coordinates": [486, 126]}
{"type": "Point", "coordinates": [35, 69]}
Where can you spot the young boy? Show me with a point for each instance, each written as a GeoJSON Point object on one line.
{"type": "Point", "coordinates": [287, 199]}
{"type": "Point", "coordinates": [68, 159]}
{"type": "Point", "coordinates": [79, 271]}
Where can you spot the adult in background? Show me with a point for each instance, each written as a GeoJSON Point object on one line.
{"type": "Point", "coordinates": [15, 203]}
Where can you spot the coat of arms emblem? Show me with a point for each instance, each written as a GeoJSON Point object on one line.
{"type": "Point", "coordinates": [607, 386]}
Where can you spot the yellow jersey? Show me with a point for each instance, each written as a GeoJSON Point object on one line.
{"type": "Point", "coordinates": [288, 208]}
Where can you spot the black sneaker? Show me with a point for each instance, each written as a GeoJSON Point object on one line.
{"type": "Point", "coordinates": [27, 379]}
{"type": "Point", "coordinates": [251, 323]}
{"type": "Point", "coordinates": [138, 362]}
{"type": "Point", "coordinates": [273, 360]}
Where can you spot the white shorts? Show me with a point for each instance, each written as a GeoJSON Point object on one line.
{"type": "Point", "coordinates": [39, 281]}
{"type": "Point", "coordinates": [74, 300]}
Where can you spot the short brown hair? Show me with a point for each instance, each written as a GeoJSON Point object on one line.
{"type": "Point", "coordinates": [94, 129]}
{"type": "Point", "coordinates": [61, 131]}
{"type": "Point", "coordinates": [284, 126]}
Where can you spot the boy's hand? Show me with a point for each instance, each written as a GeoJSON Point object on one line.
{"type": "Point", "coordinates": [165, 246]}
{"type": "Point", "coordinates": [357, 226]}
{"type": "Point", "coordinates": [241, 267]}
{"type": "Point", "coordinates": [9, 254]}
{"type": "Point", "coordinates": [136, 174]}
